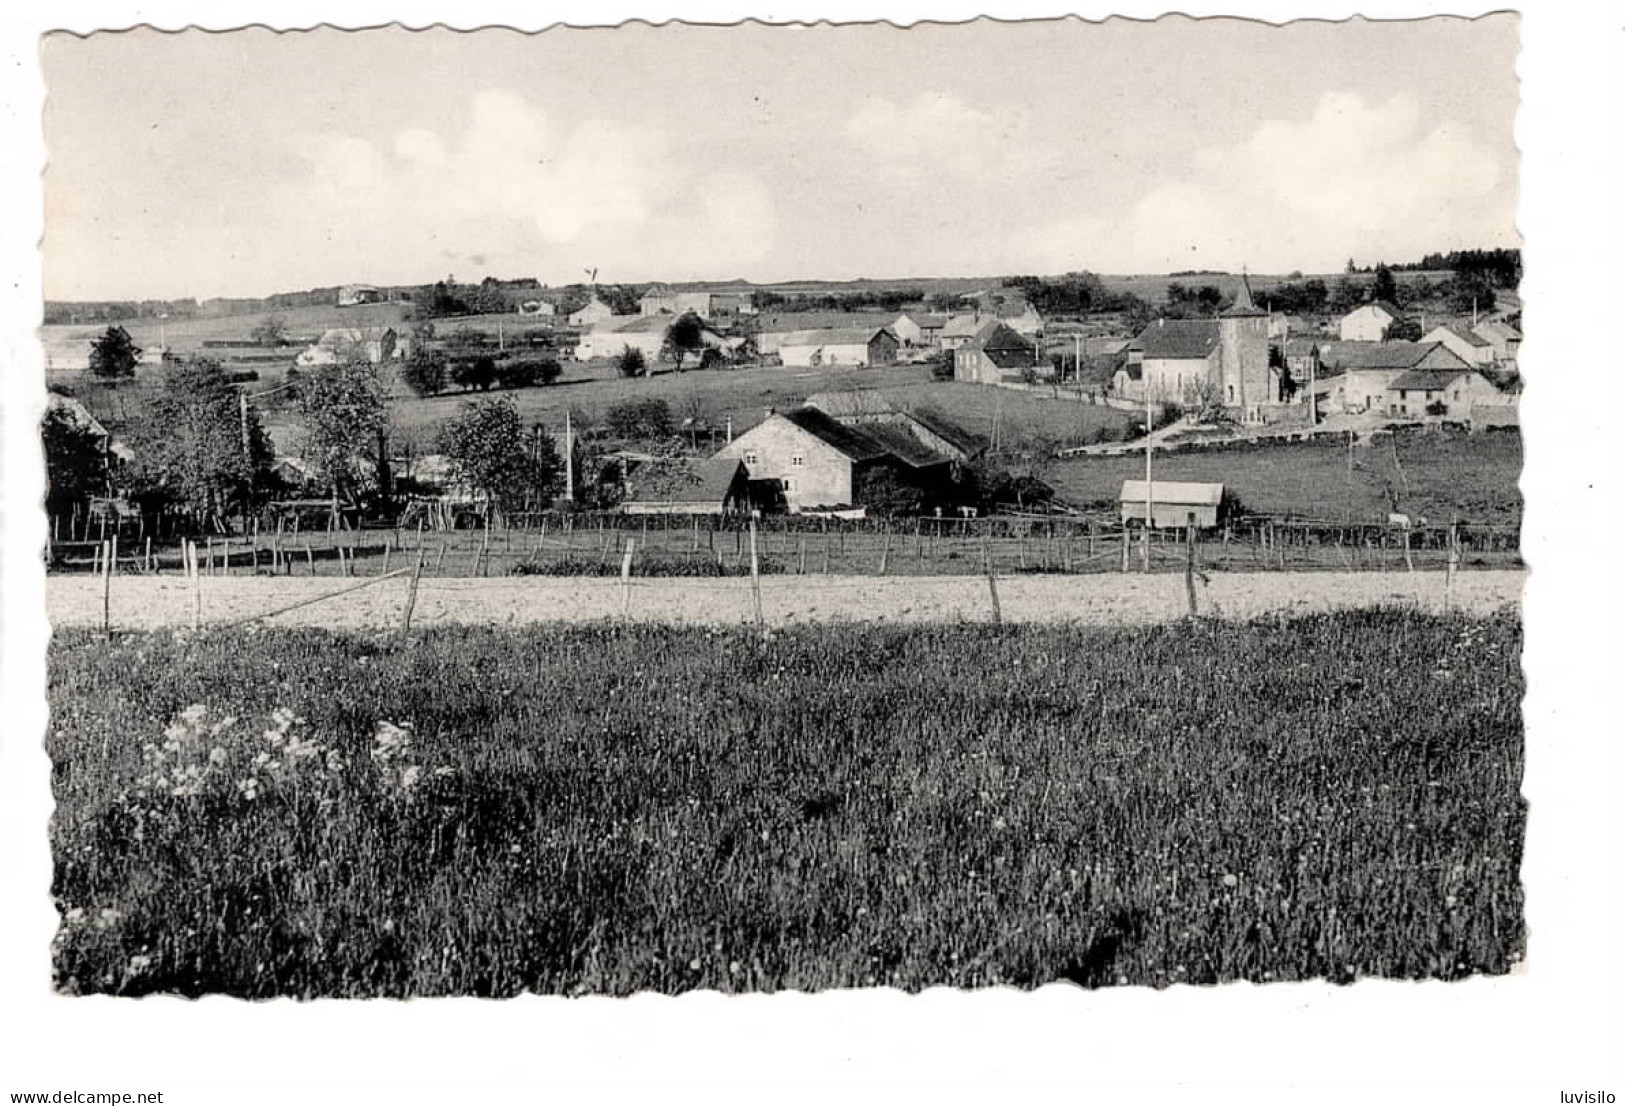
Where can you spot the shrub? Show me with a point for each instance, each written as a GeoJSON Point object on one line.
{"type": "Point", "coordinates": [480, 373]}
{"type": "Point", "coordinates": [632, 363]}
{"type": "Point", "coordinates": [425, 374]}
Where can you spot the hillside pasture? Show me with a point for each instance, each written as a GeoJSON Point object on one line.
{"type": "Point", "coordinates": [1439, 475]}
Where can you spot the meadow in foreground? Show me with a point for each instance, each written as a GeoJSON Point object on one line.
{"type": "Point", "coordinates": [610, 809]}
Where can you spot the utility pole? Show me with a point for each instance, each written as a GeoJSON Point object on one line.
{"type": "Point", "coordinates": [1077, 361]}
{"type": "Point", "coordinates": [1145, 546]}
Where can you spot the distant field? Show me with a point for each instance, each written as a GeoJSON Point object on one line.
{"type": "Point", "coordinates": [745, 395]}
{"type": "Point", "coordinates": [1437, 475]}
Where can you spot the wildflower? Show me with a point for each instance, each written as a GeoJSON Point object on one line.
{"type": "Point", "coordinates": [139, 964]}
{"type": "Point", "coordinates": [107, 918]}
{"type": "Point", "coordinates": [249, 787]}
{"type": "Point", "coordinates": [217, 755]}
{"type": "Point", "coordinates": [409, 777]}
{"type": "Point", "coordinates": [74, 917]}
{"type": "Point", "coordinates": [1230, 880]}
{"type": "Point", "coordinates": [390, 740]}
{"type": "Point", "coordinates": [1450, 902]}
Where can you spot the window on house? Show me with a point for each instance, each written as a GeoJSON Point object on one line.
{"type": "Point", "coordinates": [798, 460]}
{"type": "Point", "coordinates": [788, 485]}
{"type": "Point", "coordinates": [750, 457]}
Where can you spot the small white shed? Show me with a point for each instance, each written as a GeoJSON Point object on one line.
{"type": "Point", "coordinates": [1172, 502]}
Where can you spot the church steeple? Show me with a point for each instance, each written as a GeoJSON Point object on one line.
{"type": "Point", "coordinates": [1244, 300]}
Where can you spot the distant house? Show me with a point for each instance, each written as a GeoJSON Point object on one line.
{"type": "Point", "coordinates": [354, 295]}
{"type": "Point", "coordinates": [1172, 358]}
{"type": "Point", "coordinates": [1180, 360]}
{"type": "Point", "coordinates": [1439, 393]}
{"type": "Point", "coordinates": [1369, 322]}
{"type": "Point", "coordinates": [994, 353]}
{"type": "Point", "coordinates": [661, 300]}
{"type": "Point", "coordinates": [714, 486]}
{"type": "Point", "coordinates": [959, 329]}
{"type": "Point", "coordinates": [538, 308]}
{"type": "Point", "coordinates": [806, 460]}
{"type": "Point", "coordinates": [918, 329]}
{"type": "Point", "coordinates": [593, 312]}
{"type": "Point", "coordinates": [1172, 503]}
{"type": "Point", "coordinates": [1359, 374]}
{"type": "Point", "coordinates": [1459, 340]}
{"type": "Point", "coordinates": [1302, 357]}
{"type": "Point", "coordinates": [771, 329]}
{"type": "Point", "coordinates": [1503, 337]}
{"type": "Point", "coordinates": [1282, 326]}
{"type": "Point", "coordinates": [372, 344]}
{"type": "Point", "coordinates": [644, 333]}
{"type": "Point", "coordinates": [865, 347]}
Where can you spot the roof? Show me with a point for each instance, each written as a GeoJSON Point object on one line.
{"type": "Point", "coordinates": [1243, 304]}
{"type": "Point", "coordinates": [832, 336]}
{"type": "Point", "coordinates": [848, 404]}
{"type": "Point", "coordinates": [1178, 339]}
{"type": "Point", "coordinates": [704, 481]}
{"type": "Point", "coordinates": [1428, 380]}
{"type": "Point", "coordinates": [1375, 355]}
{"type": "Point", "coordinates": [962, 326]}
{"type": "Point", "coordinates": [786, 322]}
{"type": "Point", "coordinates": [1382, 305]}
{"type": "Point", "coordinates": [76, 412]}
{"type": "Point", "coordinates": [335, 335]}
{"type": "Point", "coordinates": [1499, 327]}
{"type": "Point", "coordinates": [855, 444]}
{"type": "Point", "coordinates": [1463, 333]}
{"type": "Point", "coordinates": [925, 322]}
{"type": "Point", "coordinates": [957, 436]}
{"type": "Point", "coordinates": [1173, 491]}
{"type": "Point", "coordinates": [1300, 347]}
{"type": "Point", "coordinates": [901, 443]}
{"type": "Point", "coordinates": [995, 336]}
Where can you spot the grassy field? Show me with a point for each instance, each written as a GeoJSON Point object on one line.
{"type": "Point", "coordinates": [1437, 475]}
{"type": "Point", "coordinates": [607, 810]}
{"type": "Point", "coordinates": [745, 396]}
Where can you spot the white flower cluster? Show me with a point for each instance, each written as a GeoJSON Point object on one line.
{"type": "Point", "coordinates": [391, 755]}
{"type": "Point", "coordinates": [177, 767]}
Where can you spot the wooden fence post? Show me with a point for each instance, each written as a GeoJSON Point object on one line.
{"type": "Point", "coordinates": [885, 550]}
{"type": "Point", "coordinates": [1190, 560]}
{"type": "Point", "coordinates": [109, 553]}
{"type": "Point", "coordinates": [626, 579]}
{"type": "Point", "coordinates": [384, 569]}
{"type": "Point", "coordinates": [756, 580]}
{"type": "Point", "coordinates": [197, 585]}
{"type": "Point", "coordinates": [993, 594]}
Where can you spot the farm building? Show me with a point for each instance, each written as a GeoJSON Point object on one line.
{"type": "Point", "coordinates": [771, 330]}
{"type": "Point", "coordinates": [1178, 359]}
{"type": "Point", "coordinates": [864, 347]}
{"type": "Point", "coordinates": [354, 295]}
{"type": "Point", "coordinates": [807, 460]}
{"type": "Point", "coordinates": [918, 329]}
{"type": "Point", "coordinates": [1503, 337]}
{"type": "Point", "coordinates": [715, 486]}
{"type": "Point", "coordinates": [373, 344]}
{"type": "Point", "coordinates": [591, 313]}
{"type": "Point", "coordinates": [867, 408]}
{"type": "Point", "coordinates": [705, 304]}
{"type": "Point", "coordinates": [1459, 340]}
{"type": "Point", "coordinates": [1360, 373]}
{"type": "Point", "coordinates": [1369, 322]}
{"type": "Point", "coordinates": [1440, 393]}
{"type": "Point", "coordinates": [992, 354]}
{"type": "Point", "coordinates": [645, 333]}
{"type": "Point", "coordinates": [1172, 503]}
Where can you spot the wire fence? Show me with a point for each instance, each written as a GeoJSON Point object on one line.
{"type": "Point", "coordinates": [688, 546]}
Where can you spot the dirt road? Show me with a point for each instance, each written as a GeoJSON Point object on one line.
{"type": "Point", "coordinates": [146, 602]}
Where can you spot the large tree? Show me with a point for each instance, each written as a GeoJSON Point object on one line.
{"type": "Point", "coordinates": [197, 448]}
{"type": "Point", "coordinates": [346, 426]}
{"type": "Point", "coordinates": [114, 355]}
{"type": "Point", "coordinates": [492, 451]}
{"type": "Point", "coordinates": [683, 337]}
{"type": "Point", "coordinates": [75, 460]}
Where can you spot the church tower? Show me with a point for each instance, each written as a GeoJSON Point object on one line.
{"type": "Point", "coordinates": [1244, 355]}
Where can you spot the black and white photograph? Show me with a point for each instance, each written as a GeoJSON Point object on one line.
{"type": "Point", "coordinates": [739, 509]}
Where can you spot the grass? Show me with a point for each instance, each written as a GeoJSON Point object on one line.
{"type": "Point", "coordinates": [1438, 475]}
{"type": "Point", "coordinates": [607, 809]}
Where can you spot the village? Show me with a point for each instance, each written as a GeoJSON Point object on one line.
{"type": "Point", "coordinates": [965, 403]}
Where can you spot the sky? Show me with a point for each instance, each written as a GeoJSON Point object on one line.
{"type": "Point", "coordinates": [245, 163]}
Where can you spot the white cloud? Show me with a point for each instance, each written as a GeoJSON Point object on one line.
{"type": "Point", "coordinates": [936, 131]}
{"type": "Point", "coordinates": [1355, 179]}
{"type": "Point", "coordinates": [523, 194]}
